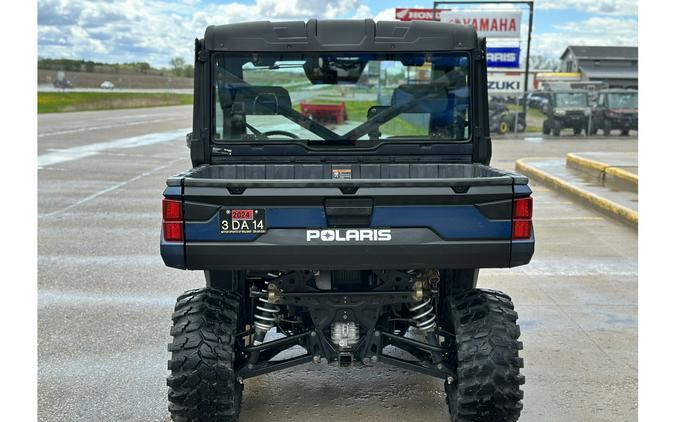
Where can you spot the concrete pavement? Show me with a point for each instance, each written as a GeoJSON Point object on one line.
{"type": "Point", "coordinates": [105, 298]}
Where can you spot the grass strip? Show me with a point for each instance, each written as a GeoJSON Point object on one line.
{"type": "Point", "coordinates": [59, 102]}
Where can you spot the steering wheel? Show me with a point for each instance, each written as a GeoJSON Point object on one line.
{"type": "Point", "coordinates": [280, 132]}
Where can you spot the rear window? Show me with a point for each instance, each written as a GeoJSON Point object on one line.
{"type": "Point", "coordinates": [341, 97]}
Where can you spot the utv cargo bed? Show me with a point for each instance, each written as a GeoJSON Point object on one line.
{"type": "Point", "coordinates": [371, 175]}
{"type": "Point", "coordinates": [350, 216]}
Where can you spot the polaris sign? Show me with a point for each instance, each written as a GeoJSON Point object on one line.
{"type": "Point", "coordinates": [349, 235]}
{"type": "Point", "coordinates": [505, 57]}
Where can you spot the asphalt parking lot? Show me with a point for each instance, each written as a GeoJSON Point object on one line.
{"type": "Point", "coordinates": [105, 297]}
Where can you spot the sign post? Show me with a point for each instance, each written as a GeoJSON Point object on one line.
{"type": "Point", "coordinates": [501, 27]}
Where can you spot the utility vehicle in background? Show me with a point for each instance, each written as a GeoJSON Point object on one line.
{"type": "Point", "coordinates": [358, 239]}
{"type": "Point", "coordinates": [615, 109]}
{"type": "Point", "coordinates": [566, 110]}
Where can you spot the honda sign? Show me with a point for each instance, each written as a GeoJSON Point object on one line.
{"type": "Point", "coordinates": [406, 14]}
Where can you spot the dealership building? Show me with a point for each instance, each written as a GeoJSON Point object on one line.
{"type": "Point", "coordinates": [615, 66]}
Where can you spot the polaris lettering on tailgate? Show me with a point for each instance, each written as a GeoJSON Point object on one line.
{"type": "Point", "coordinates": [349, 235]}
{"type": "Point", "coordinates": [235, 221]}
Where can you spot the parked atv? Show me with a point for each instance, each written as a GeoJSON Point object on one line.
{"type": "Point", "coordinates": [566, 110]}
{"type": "Point", "coordinates": [355, 242]}
{"type": "Point", "coordinates": [503, 120]}
{"type": "Point", "coordinates": [615, 109]}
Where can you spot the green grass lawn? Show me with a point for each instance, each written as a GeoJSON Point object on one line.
{"type": "Point", "coordinates": [533, 112]}
{"type": "Point", "coordinates": [56, 102]}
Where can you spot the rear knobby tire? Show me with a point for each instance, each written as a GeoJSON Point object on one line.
{"type": "Point", "coordinates": [487, 385]}
{"type": "Point", "coordinates": [202, 384]}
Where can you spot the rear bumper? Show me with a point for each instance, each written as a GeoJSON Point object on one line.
{"type": "Point", "coordinates": [408, 248]}
{"type": "Point", "coordinates": [266, 257]}
{"type": "Point", "coordinates": [573, 121]}
{"type": "Point", "coordinates": [623, 123]}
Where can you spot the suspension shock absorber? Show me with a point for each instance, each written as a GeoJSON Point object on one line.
{"type": "Point", "coordinates": [265, 316]}
{"type": "Point", "coordinates": [424, 318]}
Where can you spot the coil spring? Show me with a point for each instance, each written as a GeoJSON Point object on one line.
{"type": "Point", "coordinates": [264, 319]}
{"type": "Point", "coordinates": [424, 318]}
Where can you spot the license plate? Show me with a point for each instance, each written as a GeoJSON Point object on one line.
{"type": "Point", "coordinates": [242, 221]}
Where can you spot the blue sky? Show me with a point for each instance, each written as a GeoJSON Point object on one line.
{"type": "Point", "coordinates": [156, 30]}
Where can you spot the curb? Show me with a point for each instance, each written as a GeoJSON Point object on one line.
{"type": "Point", "coordinates": [603, 169]}
{"type": "Point", "coordinates": [604, 205]}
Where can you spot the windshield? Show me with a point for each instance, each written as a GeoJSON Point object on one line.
{"type": "Point", "coordinates": [341, 97]}
{"type": "Point", "coordinates": [623, 100]}
{"type": "Point", "coordinates": [571, 99]}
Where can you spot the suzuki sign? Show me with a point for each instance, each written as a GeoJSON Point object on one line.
{"type": "Point", "coordinates": [506, 82]}
{"type": "Point", "coordinates": [501, 24]}
{"type": "Point", "coordinates": [507, 57]}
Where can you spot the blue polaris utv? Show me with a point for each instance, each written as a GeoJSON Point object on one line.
{"type": "Point", "coordinates": [341, 200]}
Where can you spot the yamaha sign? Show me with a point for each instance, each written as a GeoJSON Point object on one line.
{"type": "Point", "coordinates": [488, 24]}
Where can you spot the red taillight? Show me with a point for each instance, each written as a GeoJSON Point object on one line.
{"type": "Point", "coordinates": [173, 231]}
{"type": "Point", "coordinates": [522, 229]}
{"type": "Point", "coordinates": [522, 208]}
{"type": "Point", "coordinates": [172, 214]}
{"type": "Point", "coordinates": [172, 210]}
{"type": "Point", "coordinates": [522, 218]}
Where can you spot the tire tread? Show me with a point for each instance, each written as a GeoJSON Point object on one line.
{"type": "Point", "coordinates": [488, 381]}
{"type": "Point", "coordinates": [202, 384]}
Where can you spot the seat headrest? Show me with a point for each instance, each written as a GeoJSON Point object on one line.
{"type": "Point", "coordinates": [257, 100]}
{"type": "Point", "coordinates": [431, 98]}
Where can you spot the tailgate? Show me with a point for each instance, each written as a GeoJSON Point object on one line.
{"type": "Point", "coordinates": [385, 223]}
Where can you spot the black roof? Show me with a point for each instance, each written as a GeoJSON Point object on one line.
{"type": "Point", "coordinates": [602, 52]}
{"type": "Point", "coordinates": [340, 35]}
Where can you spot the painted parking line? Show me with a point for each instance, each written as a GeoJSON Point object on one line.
{"type": "Point", "coordinates": [109, 189]}
{"type": "Point", "coordinates": [82, 151]}
{"type": "Point", "coordinates": [100, 127]}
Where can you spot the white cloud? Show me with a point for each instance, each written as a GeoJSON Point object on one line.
{"type": "Point", "coordinates": [156, 30]}
{"type": "Point", "coordinates": [362, 12]}
{"type": "Point", "coordinates": [606, 7]}
{"type": "Point", "coordinates": [601, 25]}
{"type": "Point", "coordinates": [592, 31]}
{"type": "Point", "coordinates": [386, 15]}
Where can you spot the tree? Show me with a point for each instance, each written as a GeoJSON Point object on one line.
{"type": "Point", "coordinates": [189, 71]}
{"type": "Point", "coordinates": [177, 63]}
{"type": "Point", "coordinates": [143, 67]}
